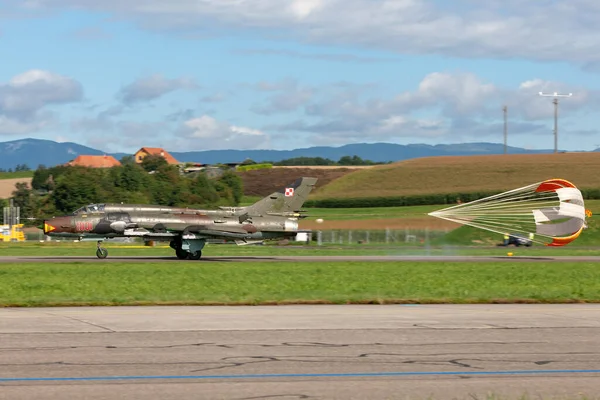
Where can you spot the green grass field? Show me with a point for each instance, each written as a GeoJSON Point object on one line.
{"type": "Point", "coordinates": [372, 213]}
{"type": "Point", "coordinates": [399, 212]}
{"type": "Point", "coordinates": [436, 248]}
{"type": "Point", "coordinates": [14, 175]}
{"type": "Point", "coordinates": [233, 283]}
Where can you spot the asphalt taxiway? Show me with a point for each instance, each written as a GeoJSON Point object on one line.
{"type": "Point", "coordinates": [49, 259]}
{"type": "Point", "coordinates": [300, 352]}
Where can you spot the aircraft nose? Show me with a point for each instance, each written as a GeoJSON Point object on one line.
{"type": "Point", "coordinates": [56, 225]}
{"type": "Point", "coordinates": [48, 227]}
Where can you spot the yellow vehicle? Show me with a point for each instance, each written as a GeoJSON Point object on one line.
{"type": "Point", "coordinates": [12, 234]}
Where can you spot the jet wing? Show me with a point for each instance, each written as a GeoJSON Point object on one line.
{"type": "Point", "coordinates": [196, 232]}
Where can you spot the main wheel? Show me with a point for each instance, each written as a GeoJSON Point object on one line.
{"type": "Point", "coordinates": [101, 252]}
{"type": "Point", "coordinates": [181, 254]}
{"type": "Point", "coordinates": [195, 256]}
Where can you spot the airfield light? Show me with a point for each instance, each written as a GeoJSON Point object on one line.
{"type": "Point", "coordinates": [556, 95]}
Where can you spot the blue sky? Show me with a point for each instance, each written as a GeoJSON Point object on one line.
{"type": "Point", "coordinates": [283, 74]}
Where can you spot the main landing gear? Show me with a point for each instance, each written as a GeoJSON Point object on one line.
{"type": "Point", "coordinates": [188, 249]}
{"type": "Point", "coordinates": [101, 252]}
{"type": "Point", "coordinates": [186, 255]}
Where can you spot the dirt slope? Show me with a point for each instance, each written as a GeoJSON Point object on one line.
{"type": "Point", "coordinates": [263, 182]}
{"type": "Point", "coordinates": [7, 186]}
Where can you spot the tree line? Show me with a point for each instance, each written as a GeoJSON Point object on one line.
{"type": "Point", "coordinates": [343, 161]}
{"type": "Point", "coordinates": [18, 168]}
{"type": "Point", "coordinates": [63, 189]}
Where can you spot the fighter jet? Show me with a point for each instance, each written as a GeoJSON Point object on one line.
{"type": "Point", "coordinates": [274, 217]}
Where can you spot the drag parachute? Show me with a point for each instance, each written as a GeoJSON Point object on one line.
{"type": "Point", "coordinates": [551, 212]}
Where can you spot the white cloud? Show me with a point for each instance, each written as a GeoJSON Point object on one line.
{"type": "Point", "coordinates": [11, 126]}
{"type": "Point", "coordinates": [454, 93]}
{"type": "Point", "coordinates": [153, 87]}
{"type": "Point", "coordinates": [526, 102]}
{"type": "Point", "coordinates": [390, 129]}
{"type": "Point", "coordinates": [30, 91]}
{"type": "Point", "coordinates": [210, 133]}
{"type": "Point", "coordinates": [303, 8]}
{"type": "Point", "coordinates": [460, 93]}
{"type": "Point", "coordinates": [542, 30]}
{"type": "Point", "coordinates": [24, 98]}
{"type": "Point", "coordinates": [444, 106]}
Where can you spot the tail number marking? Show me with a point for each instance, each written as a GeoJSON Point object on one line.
{"type": "Point", "coordinates": [83, 226]}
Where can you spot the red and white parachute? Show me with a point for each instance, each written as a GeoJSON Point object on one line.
{"type": "Point", "coordinates": [551, 212]}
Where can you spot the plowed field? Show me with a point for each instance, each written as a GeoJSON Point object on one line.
{"type": "Point", "coordinates": [7, 186]}
{"type": "Point", "coordinates": [263, 182]}
{"type": "Point", "coordinates": [433, 175]}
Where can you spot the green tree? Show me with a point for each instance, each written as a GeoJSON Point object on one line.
{"type": "Point", "coordinates": [153, 162]}
{"type": "Point", "coordinates": [74, 189]}
{"type": "Point", "coordinates": [203, 190]}
{"type": "Point", "coordinates": [44, 178]}
{"type": "Point", "coordinates": [39, 177]}
{"type": "Point", "coordinates": [23, 197]}
{"type": "Point", "coordinates": [306, 161]}
{"type": "Point", "coordinates": [125, 160]}
{"type": "Point", "coordinates": [235, 184]}
{"type": "Point", "coordinates": [354, 160]}
{"type": "Point", "coordinates": [132, 177]}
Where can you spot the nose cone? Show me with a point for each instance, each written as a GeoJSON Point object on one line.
{"type": "Point", "coordinates": [48, 227]}
{"type": "Point", "coordinates": [57, 225]}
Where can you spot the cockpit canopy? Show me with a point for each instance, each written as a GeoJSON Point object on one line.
{"type": "Point", "coordinates": [90, 208]}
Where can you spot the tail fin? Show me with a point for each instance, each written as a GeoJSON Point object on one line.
{"type": "Point", "coordinates": [286, 200]}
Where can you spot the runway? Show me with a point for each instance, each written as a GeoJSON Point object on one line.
{"type": "Point", "coordinates": [300, 352]}
{"type": "Point", "coordinates": [324, 258]}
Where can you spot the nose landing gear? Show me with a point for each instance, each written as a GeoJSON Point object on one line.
{"type": "Point", "coordinates": [101, 252]}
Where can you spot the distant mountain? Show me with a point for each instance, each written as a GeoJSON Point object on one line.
{"type": "Point", "coordinates": [34, 152]}
{"type": "Point", "coordinates": [378, 152]}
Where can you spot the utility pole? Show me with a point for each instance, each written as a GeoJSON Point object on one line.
{"type": "Point", "coordinates": [505, 127]}
{"type": "Point", "coordinates": [555, 102]}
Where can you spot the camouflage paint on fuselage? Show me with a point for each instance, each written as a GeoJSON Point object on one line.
{"type": "Point", "coordinates": [275, 216]}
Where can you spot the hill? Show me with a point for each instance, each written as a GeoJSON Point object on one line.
{"type": "Point", "coordinates": [33, 152]}
{"type": "Point", "coordinates": [432, 175]}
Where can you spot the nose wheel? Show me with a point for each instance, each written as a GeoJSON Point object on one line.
{"type": "Point", "coordinates": [101, 252]}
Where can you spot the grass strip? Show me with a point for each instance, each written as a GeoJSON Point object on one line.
{"type": "Point", "coordinates": [116, 249]}
{"type": "Point", "coordinates": [234, 283]}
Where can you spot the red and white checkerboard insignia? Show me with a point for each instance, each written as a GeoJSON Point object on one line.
{"type": "Point", "coordinates": [289, 192]}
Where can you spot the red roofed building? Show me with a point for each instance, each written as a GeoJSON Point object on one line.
{"type": "Point", "coordinates": [95, 161]}
{"type": "Point", "coordinates": [155, 151]}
